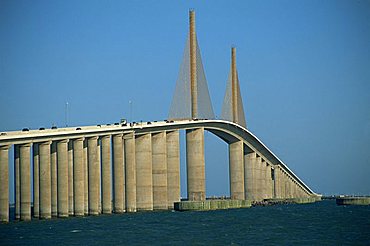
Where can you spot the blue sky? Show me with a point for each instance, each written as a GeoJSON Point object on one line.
{"type": "Point", "coordinates": [304, 69]}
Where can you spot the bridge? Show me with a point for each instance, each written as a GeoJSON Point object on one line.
{"type": "Point", "coordinates": [129, 167]}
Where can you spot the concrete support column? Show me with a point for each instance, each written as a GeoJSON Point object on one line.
{"type": "Point", "coordinates": [195, 165]}
{"type": "Point", "coordinates": [93, 175]}
{"type": "Point", "coordinates": [295, 192]}
{"type": "Point", "coordinates": [106, 175]}
{"type": "Point", "coordinates": [36, 179]}
{"type": "Point", "coordinates": [292, 188]}
{"type": "Point", "coordinates": [4, 183]}
{"type": "Point", "coordinates": [17, 184]}
{"type": "Point", "coordinates": [130, 172]}
{"type": "Point", "coordinates": [271, 181]}
{"type": "Point", "coordinates": [249, 176]}
{"type": "Point", "coordinates": [78, 177]}
{"type": "Point", "coordinates": [257, 180]}
{"type": "Point", "coordinates": [86, 177]}
{"type": "Point", "coordinates": [173, 168]}
{"type": "Point", "coordinates": [144, 178]}
{"type": "Point", "coordinates": [54, 180]}
{"type": "Point", "coordinates": [303, 193]}
{"type": "Point", "coordinates": [70, 178]}
{"type": "Point", "coordinates": [118, 174]}
{"type": "Point", "coordinates": [45, 180]}
{"type": "Point", "coordinates": [236, 167]}
{"type": "Point", "coordinates": [268, 181]}
{"type": "Point", "coordinates": [281, 182]}
{"type": "Point", "coordinates": [290, 185]}
{"type": "Point", "coordinates": [62, 157]}
{"type": "Point", "coordinates": [300, 191]}
{"type": "Point", "coordinates": [263, 179]}
{"type": "Point", "coordinates": [276, 182]}
{"type": "Point", "coordinates": [159, 161]}
{"type": "Point", "coordinates": [273, 177]}
{"type": "Point", "coordinates": [25, 181]}
{"type": "Point", "coordinates": [99, 174]}
{"type": "Point", "coordinates": [286, 186]}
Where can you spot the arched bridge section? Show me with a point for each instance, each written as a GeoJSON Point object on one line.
{"type": "Point", "coordinates": [231, 132]}
{"type": "Point", "coordinates": [125, 168]}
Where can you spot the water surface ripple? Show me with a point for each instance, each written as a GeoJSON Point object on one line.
{"type": "Point", "coordinates": [322, 223]}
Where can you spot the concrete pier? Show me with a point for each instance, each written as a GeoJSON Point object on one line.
{"type": "Point", "coordinates": [130, 172]}
{"type": "Point", "coordinates": [211, 205]}
{"type": "Point", "coordinates": [45, 180]}
{"type": "Point", "coordinates": [276, 183]}
{"type": "Point", "coordinates": [287, 186]}
{"type": "Point", "coordinates": [236, 166]}
{"type": "Point", "coordinates": [249, 160]}
{"type": "Point", "coordinates": [290, 187]}
{"type": "Point", "coordinates": [281, 183]}
{"type": "Point", "coordinates": [17, 184]}
{"type": "Point", "coordinates": [159, 162]}
{"type": "Point", "coordinates": [25, 181]}
{"type": "Point", "coordinates": [78, 178]}
{"type": "Point", "coordinates": [270, 187]}
{"type": "Point", "coordinates": [54, 180]}
{"type": "Point", "coordinates": [98, 158]}
{"type": "Point", "coordinates": [70, 178]}
{"type": "Point", "coordinates": [4, 183]}
{"type": "Point", "coordinates": [62, 157]}
{"type": "Point", "coordinates": [106, 175]}
{"type": "Point", "coordinates": [286, 177]}
{"type": "Point", "coordinates": [263, 181]}
{"type": "Point", "coordinates": [36, 179]}
{"type": "Point", "coordinates": [195, 166]}
{"type": "Point", "coordinates": [173, 168]}
{"type": "Point", "coordinates": [258, 179]}
{"type": "Point", "coordinates": [118, 173]}
{"type": "Point", "coordinates": [94, 179]}
{"type": "Point", "coordinates": [85, 177]}
{"type": "Point", "coordinates": [144, 178]}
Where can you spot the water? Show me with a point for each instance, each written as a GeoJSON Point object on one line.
{"type": "Point", "coordinates": [310, 224]}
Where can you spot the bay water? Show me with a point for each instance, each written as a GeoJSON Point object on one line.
{"type": "Point", "coordinates": [321, 223]}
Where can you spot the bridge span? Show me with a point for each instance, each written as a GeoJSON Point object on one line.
{"type": "Point", "coordinates": [70, 164]}
{"type": "Point", "coordinates": [127, 168]}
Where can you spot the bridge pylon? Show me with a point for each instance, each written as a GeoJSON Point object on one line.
{"type": "Point", "coordinates": [191, 99]}
{"type": "Point", "coordinates": [232, 107]}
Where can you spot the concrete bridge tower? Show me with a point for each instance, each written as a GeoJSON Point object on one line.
{"type": "Point", "coordinates": [232, 107]}
{"type": "Point", "coordinates": [194, 137]}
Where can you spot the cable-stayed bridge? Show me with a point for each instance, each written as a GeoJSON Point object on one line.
{"type": "Point", "coordinates": [118, 168]}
